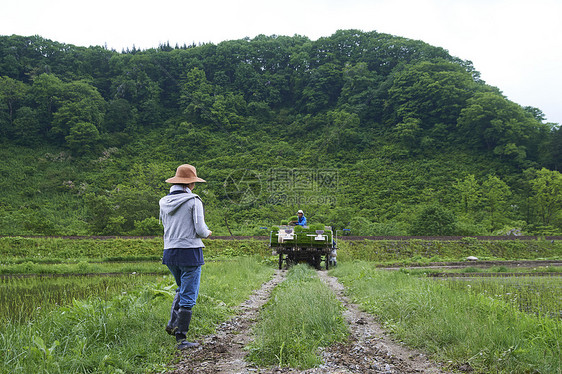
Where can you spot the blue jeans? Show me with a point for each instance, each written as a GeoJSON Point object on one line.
{"type": "Point", "coordinates": [188, 279]}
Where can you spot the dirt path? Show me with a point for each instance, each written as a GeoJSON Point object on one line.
{"type": "Point", "coordinates": [223, 351]}
{"type": "Point", "coordinates": [368, 350]}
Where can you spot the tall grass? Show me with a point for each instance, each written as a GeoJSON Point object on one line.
{"type": "Point", "coordinates": [302, 315]}
{"type": "Point", "coordinates": [455, 325]}
{"type": "Point", "coordinates": [124, 334]}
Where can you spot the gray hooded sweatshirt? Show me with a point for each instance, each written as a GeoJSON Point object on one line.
{"type": "Point", "coordinates": [183, 219]}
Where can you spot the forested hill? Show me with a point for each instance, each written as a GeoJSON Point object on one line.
{"type": "Point", "coordinates": [377, 133]}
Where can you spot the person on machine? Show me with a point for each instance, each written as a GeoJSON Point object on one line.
{"type": "Point", "coordinates": [302, 218]}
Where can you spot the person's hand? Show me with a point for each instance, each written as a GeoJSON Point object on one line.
{"type": "Point", "coordinates": [210, 232]}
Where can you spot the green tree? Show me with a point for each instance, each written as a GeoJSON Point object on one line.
{"type": "Point", "coordinates": [469, 192]}
{"type": "Point", "coordinates": [323, 88]}
{"type": "Point", "coordinates": [83, 138]}
{"type": "Point", "coordinates": [12, 93]}
{"type": "Point", "coordinates": [80, 103]}
{"type": "Point", "coordinates": [361, 91]}
{"type": "Point", "coordinates": [409, 132]}
{"type": "Point", "coordinates": [202, 104]}
{"type": "Point", "coordinates": [119, 116]}
{"type": "Point", "coordinates": [46, 91]}
{"type": "Point", "coordinates": [434, 220]}
{"type": "Point", "coordinates": [116, 212]}
{"type": "Point", "coordinates": [547, 198]}
{"type": "Point", "coordinates": [341, 132]}
{"type": "Point", "coordinates": [197, 97]}
{"type": "Point", "coordinates": [492, 122]}
{"type": "Point", "coordinates": [433, 92]}
{"type": "Point", "coordinates": [27, 127]}
{"type": "Point", "coordinates": [495, 195]}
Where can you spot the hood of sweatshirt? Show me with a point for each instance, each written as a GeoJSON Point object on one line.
{"type": "Point", "coordinates": [169, 204]}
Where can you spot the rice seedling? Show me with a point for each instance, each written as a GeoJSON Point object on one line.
{"type": "Point", "coordinates": [420, 251]}
{"type": "Point", "coordinates": [538, 295]}
{"type": "Point", "coordinates": [22, 299]}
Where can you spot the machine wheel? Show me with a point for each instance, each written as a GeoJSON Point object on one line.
{"type": "Point", "coordinates": [290, 260]}
{"type": "Point", "coordinates": [318, 261]}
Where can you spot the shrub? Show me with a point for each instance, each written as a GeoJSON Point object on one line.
{"type": "Point", "coordinates": [434, 220]}
{"type": "Point", "coordinates": [148, 226]}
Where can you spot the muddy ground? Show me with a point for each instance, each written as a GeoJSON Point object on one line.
{"type": "Point", "coordinates": [368, 349]}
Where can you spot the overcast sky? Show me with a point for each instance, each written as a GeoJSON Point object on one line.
{"type": "Point", "coordinates": [516, 45]}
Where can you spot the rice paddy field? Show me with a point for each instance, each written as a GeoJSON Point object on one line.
{"type": "Point", "coordinates": [22, 299]}
{"type": "Point", "coordinates": [111, 323]}
{"type": "Point", "coordinates": [69, 305]}
{"type": "Point", "coordinates": [541, 296]}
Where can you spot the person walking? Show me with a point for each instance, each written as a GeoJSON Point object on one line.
{"type": "Point", "coordinates": [183, 218]}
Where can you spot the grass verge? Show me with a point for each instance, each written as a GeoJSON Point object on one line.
{"type": "Point", "coordinates": [124, 333]}
{"type": "Point", "coordinates": [419, 251]}
{"type": "Point", "coordinates": [46, 249]}
{"type": "Point", "coordinates": [455, 325]}
{"type": "Point", "coordinates": [302, 315]}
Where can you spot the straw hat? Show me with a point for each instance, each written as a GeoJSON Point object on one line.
{"type": "Point", "coordinates": [185, 174]}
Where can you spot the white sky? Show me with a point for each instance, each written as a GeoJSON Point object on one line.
{"type": "Point", "coordinates": [516, 45]}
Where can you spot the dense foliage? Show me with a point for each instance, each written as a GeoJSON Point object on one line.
{"type": "Point", "coordinates": [360, 129]}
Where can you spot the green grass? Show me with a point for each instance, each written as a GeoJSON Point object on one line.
{"type": "Point", "coordinates": [108, 331]}
{"type": "Point", "coordinates": [455, 325]}
{"type": "Point", "coordinates": [302, 315]}
{"type": "Point", "coordinates": [124, 333]}
{"type": "Point", "coordinates": [45, 249]}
